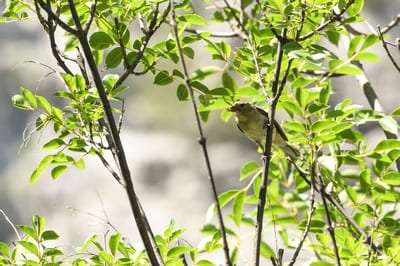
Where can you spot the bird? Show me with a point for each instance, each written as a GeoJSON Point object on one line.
{"type": "Point", "coordinates": [253, 121]}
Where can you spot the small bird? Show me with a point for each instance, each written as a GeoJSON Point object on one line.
{"type": "Point", "coordinates": [253, 121]}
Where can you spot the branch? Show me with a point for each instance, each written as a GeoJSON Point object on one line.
{"type": "Point", "coordinates": [202, 140]}
{"type": "Point", "coordinates": [215, 34]}
{"type": "Point", "coordinates": [148, 34]}
{"type": "Point", "coordinates": [331, 230]}
{"type": "Point", "coordinates": [267, 150]}
{"type": "Point", "coordinates": [116, 146]}
{"type": "Point", "coordinates": [333, 17]}
{"type": "Point", "coordinates": [386, 49]}
{"type": "Point", "coordinates": [63, 25]}
{"type": "Point", "coordinates": [307, 228]}
{"type": "Point", "coordinates": [391, 24]}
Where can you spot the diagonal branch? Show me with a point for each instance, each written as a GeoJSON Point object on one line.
{"type": "Point", "coordinates": [116, 146]}
{"type": "Point", "coordinates": [202, 139]}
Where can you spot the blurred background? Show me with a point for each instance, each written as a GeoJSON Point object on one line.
{"type": "Point", "coordinates": [160, 137]}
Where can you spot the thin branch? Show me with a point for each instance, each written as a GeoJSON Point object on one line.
{"type": "Point", "coordinates": [56, 18]}
{"type": "Point", "coordinates": [10, 223]}
{"type": "Point", "coordinates": [391, 24]}
{"type": "Point", "coordinates": [237, 19]}
{"type": "Point", "coordinates": [303, 174]}
{"type": "Point", "coordinates": [386, 49]}
{"type": "Point", "coordinates": [117, 148]}
{"type": "Point", "coordinates": [148, 34]}
{"type": "Point", "coordinates": [333, 18]}
{"type": "Point", "coordinates": [91, 17]}
{"type": "Point", "coordinates": [267, 151]}
{"type": "Point", "coordinates": [215, 34]}
{"type": "Point", "coordinates": [307, 227]}
{"type": "Point", "coordinates": [331, 230]}
{"type": "Point", "coordinates": [202, 140]}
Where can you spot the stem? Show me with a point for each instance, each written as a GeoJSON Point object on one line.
{"type": "Point", "coordinates": [202, 140]}
{"type": "Point", "coordinates": [267, 152]}
{"type": "Point", "coordinates": [117, 147]}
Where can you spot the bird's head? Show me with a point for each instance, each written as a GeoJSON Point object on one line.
{"type": "Point", "coordinates": [240, 107]}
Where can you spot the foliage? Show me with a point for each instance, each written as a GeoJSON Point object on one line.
{"type": "Point", "coordinates": [339, 198]}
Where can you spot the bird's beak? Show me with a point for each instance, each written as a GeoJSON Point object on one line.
{"type": "Point", "coordinates": [231, 109]}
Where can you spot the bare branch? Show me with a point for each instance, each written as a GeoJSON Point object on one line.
{"type": "Point", "coordinates": [391, 24]}
{"type": "Point", "coordinates": [386, 49]}
{"type": "Point", "coordinates": [202, 140]}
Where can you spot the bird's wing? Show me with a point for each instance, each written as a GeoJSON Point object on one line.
{"type": "Point", "coordinates": [278, 127]}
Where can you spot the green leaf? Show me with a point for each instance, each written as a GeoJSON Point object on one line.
{"type": "Point", "coordinates": [389, 124]}
{"type": "Point", "coordinates": [388, 144]}
{"type": "Point", "coordinates": [238, 204]}
{"type": "Point", "coordinates": [4, 249]}
{"type": "Point", "coordinates": [88, 242]}
{"type": "Point", "coordinates": [177, 251]}
{"type": "Point", "coordinates": [20, 102]}
{"type": "Point", "coordinates": [29, 231]}
{"type": "Point", "coordinates": [113, 243]}
{"type": "Point", "coordinates": [392, 178]}
{"type": "Point", "coordinates": [100, 41]}
{"type": "Point", "coordinates": [248, 169]}
{"type": "Point", "coordinates": [396, 112]}
{"type": "Point", "coordinates": [163, 78]}
{"type": "Point", "coordinates": [57, 171]}
{"type": "Point", "coordinates": [321, 125]}
{"type": "Point", "coordinates": [351, 193]}
{"type": "Point", "coordinates": [295, 126]}
{"type": "Point", "coordinates": [41, 167]}
{"type": "Point", "coordinates": [193, 19]}
{"type": "Point", "coordinates": [246, 92]}
{"type": "Point", "coordinates": [204, 262]}
{"type": "Point", "coordinates": [58, 114]}
{"type": "Point", "coordinates": [227, 196]}
{"type": "Point", "coordinates": [29, 97]}
{"type": "Point", "coordinates": [49, 235]}
{"type": "Point", "coordinates": [80, 164]}
{"type": "Point", "coordinates": [205, 72]}
{"type": "Point", "coordinates": [188, 51]}
{"type": "Point", "coordinates": [355, 8]}
{"type": "Point", "coordinates": [339, 67]}
{"type": "Point", "coordinates": [44, 104]}
{"type": "Point", "coordinates": [182, 93]}
{"type": "Point", "coordinates": [266, 251]}
{"type": "Point", "coordinates": [106, 257]}
{"type": "Point", "coordinates": [53, 144]}
{"type": "Point", "coordinates": [367, 56]}
{"type": "Point", "coordinates": [228, 82]}
{"type": "Point", "coordinates": [114, 58]}
{"type": "Point", "coordinates": [29, 246]}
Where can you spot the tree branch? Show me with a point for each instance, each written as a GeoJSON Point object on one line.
{"type": "Point", "coordinates": [116, 146]}
{"type": "Point", "coordinates": [202, 140]}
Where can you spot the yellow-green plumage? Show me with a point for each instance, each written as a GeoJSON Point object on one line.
{"type": "Point", "coordinates": [253, 122]}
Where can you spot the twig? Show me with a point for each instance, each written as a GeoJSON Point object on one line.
{"type": "Point", "coordinates": [215, 34]}
{"type": "Point", "coordinates": [56, 18]}
{"type": "Point", "coordinates": [117, 148]}
{"type": "Point", "coordinates": [202, 140]}
{"type": "Point", "coordinates": [386, 49]}
{"type": "Point", "coordinates": [334, 17]}
{"type": "Point", "coordinates": [331, 230]}
{"type": "Point", "coordinates": [148, 34]}
{"type": "Point", "coordinates": [91, 17]}
{"type": "Point", "coordinates": [391, 24]}
{"type": "Point", "coordinates": [307, 228]}
{"type": "Point", "coordinates": [11, 224]}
